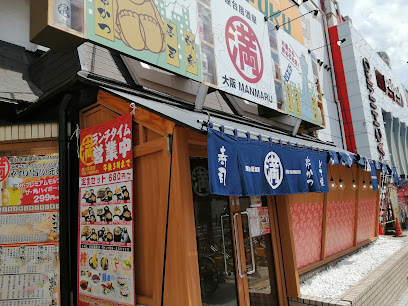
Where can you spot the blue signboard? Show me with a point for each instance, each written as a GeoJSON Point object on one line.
{"type": "Point", "coordinates": [246, 167]}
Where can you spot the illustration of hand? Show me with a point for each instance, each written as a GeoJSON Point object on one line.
{"type": "Point", "coordinates": [139, 25]}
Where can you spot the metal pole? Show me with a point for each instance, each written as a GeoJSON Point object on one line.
{"type": "Point", "coordinates": [64, 249]}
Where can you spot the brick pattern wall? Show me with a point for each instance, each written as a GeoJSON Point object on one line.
{"type": "Point", "coordinates": [382, 287]}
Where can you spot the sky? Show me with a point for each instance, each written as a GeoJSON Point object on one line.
{"type": "Point", "coordinates": [384, 25]}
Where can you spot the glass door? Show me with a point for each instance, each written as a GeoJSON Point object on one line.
{"type": "Point", "coordinates": [259, 268]}
{"type": "Point", "coordinates": [216, 259]}
{"type": "Point", "coordinates": [234, 245]}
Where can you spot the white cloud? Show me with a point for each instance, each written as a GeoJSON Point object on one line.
{"type": "Point", "coordinates": [384, 25]}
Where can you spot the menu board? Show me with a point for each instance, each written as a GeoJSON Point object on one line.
{"type": "Point", "coordinates": [105, 275]}
{"type": "Point", "coordinates": [29, 230]}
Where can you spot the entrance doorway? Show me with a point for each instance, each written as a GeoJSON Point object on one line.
{"type": "Point", "coordinates": [235, 254]}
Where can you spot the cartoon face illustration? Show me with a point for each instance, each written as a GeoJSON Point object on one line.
{"type": "Point", "coordinates": [139, 25]}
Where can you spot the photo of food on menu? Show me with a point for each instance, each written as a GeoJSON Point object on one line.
{"type": "Point", "coordinates": [115, 214]}
{"type": "Point", "coordinates": [106, 235]}
{"type": "Point", "coordinates": [111, 194]}
{"type": "Point", "coordinates": [105, 273]}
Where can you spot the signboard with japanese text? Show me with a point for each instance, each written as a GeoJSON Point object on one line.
{"type": "Point", "coordinates": [259, 221]}
{"type": "Point", "coordinates": [242, 167]}
{"type": "Point", "coordinates": [300, 90]}
{"type": "Point", "coordinates": [105, 273]}
{"type": "Point", "coordinates": [160, 32]}
{"type": "Point", "coordinates": [243, 59]}
{"type": "Point", "coordinates": [29, 230]}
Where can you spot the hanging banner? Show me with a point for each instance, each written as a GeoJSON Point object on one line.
{"type": "Point", "coordinates": [243, 167]}
{"type": "Point", "coordinates": [29, 230]}
{"type": "Point", "coordinates": [374, 180]}
{"type": "Point", "coordinates": [105, 267]}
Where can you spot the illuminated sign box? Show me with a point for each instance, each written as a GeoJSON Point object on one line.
{"type": "Point", "coordinates": [57, 24]}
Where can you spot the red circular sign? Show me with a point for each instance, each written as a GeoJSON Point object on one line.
{"type": "Point", "coordinates": [244, 49]}
{"type": "Point", "coordinates": [4, 168]}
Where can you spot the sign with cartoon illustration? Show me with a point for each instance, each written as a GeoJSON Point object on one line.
{"type": "Point", "coordinates": [160, 32]}
{"type": "Point", "coordinates": [300, 82]}
{"type": "Point", "coordinates": [29, 230]}
{"type": "Point", "coordinates": [241, 45]}
{"type": "Point", "coordinates": [106, 213]}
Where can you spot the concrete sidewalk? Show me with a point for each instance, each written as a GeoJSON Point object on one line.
{"type": "Point", "coordinates": [403, 301]}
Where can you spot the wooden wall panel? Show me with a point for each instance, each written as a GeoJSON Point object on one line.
{"type": "Point", "coordinates": [288, 246]}
{"type": "Point", "coordinates": [96, 115]}
{"type": "Point", "coordinates": [151, 186]}
{"type": "Point", "coordinates": [277, 251]}
{"type": "Point", "coordinates": [150, 189]}
{"type": "Point", "coordinates": [182, 283]}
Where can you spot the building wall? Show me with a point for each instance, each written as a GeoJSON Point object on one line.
{"type": "Point", "coordinates": [352, 53]}
{"type": "Point", "coordinates": [15, 17]}
{"type": "Point", "coordinates": [28, 131]}
{"type": "Point", "coordinates": [315, 37]}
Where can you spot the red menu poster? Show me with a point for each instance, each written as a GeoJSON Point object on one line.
{"type": "Point", "coordinates": [105, 259]}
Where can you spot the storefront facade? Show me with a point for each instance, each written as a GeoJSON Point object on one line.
{"type": "Point", "coordinates": [190, 245]}
{"type": "Point", "coordinates": [206, 244]}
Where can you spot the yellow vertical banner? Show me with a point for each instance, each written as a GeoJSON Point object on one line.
{"type": "Point", "coordinates": [190, 52]}
{"type": "Point", "coordinates": [289, 100]}
{"type": "Point", "coordinates": [297, 101]}
{"type": "Point", "coordinates": [314, 106]}
{"type": "Point", "coordinates": [104, 19]}
{"type": "Point", "coordinates": [171, 39]}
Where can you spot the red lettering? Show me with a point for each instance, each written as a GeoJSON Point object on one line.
{"type": "Point", "coordinates": [378, 135]}
{"type": "Point", "coordinates": [380, 80]}
{"type": "Point", "coordinates": [381, 150]}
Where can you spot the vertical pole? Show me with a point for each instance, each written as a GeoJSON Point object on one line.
{"type": "Point", "coordinates": [64, 249]}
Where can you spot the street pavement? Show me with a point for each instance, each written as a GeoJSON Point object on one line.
{"type": "Point", "coordinates": [403, 301]}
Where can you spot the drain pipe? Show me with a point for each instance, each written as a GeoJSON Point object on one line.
{"type": "Point", "coordinates": [334, 83]}
{"type": "Point", "coordinates": [64, 215]}
{"type": "Point", "coordinates": [200, 98]}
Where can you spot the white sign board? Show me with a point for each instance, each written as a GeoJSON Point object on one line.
{"type": "Point", "coordinates": [299, 86]}
{"type": "Point", "coordinates": [242, 52]}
